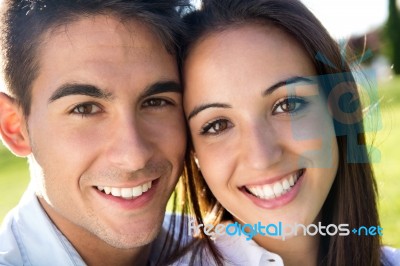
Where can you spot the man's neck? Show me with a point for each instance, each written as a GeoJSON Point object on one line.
{"type": "Point", "coordinates": [107, 255]}
{"type": "Point", "coordinates": [93, 250]}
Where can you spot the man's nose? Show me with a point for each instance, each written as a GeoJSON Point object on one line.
{"type": "Point", "coordinates": [129, 149]}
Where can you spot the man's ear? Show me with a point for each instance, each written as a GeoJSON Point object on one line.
{"type": "Point", "coordinates": [13, 127]}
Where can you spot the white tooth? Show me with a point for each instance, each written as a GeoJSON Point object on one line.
{"type": "Point", "coordinates": [285, 184]}
{"type": "Point", "coordinates": [100, 188]}
{"type": "Point", "coordinates": [296, 176]}
{"type": "Point", "coordinates": [270, 197]}
{"type": "Point", "coordinates": [253, 191]}
{"type": "Point", "coordinates": [278, 189]}
{"type": "Point", "coordinates": [291, 180]}
{"type": "Point", "coordinates": [256, 191]}
{"type": "Point", "coordinates": [260, 192]}
{"type": "Point", "coordinates": [116, 192]}
{"type": "Point", "coordinates": [149, 184]}
{"type": "Point", "coordinates": [268, 192]}
{"type": "Point", "coordinates": [107, 190]}
{"type": "Point", "coordinates": [136, 191]}
{"type": "Point", "coordinates": [145, 187]}
{"type": "Point", "coordinates": [126, 192]}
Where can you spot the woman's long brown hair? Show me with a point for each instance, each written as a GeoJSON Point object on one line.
{"type": "Point", "coordinates": [352, 198]}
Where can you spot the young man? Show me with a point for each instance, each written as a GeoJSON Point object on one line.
{"type": "Point", "coordinates": [93, 101]}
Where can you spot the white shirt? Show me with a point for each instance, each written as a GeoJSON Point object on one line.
{"type": "Point", "coordinates": [392, 255]}
{"type": "Point", "coordinates": [235, 251]}
{"type": "Point", "coordinates": [238, 251]}
{"type": "Point", "coordinates": [28, 237]}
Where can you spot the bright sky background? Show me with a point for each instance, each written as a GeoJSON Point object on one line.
{"type": "Point", "coordinates": [343, 18]}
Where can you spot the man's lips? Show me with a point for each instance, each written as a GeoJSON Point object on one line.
{"type": "Point", "coordinates": [276, 189]}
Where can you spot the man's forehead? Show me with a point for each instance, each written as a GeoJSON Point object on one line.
{"type": "Point", "coordinates": [101, 30]}
{"type": "Point", "coordinates": [99, 52]}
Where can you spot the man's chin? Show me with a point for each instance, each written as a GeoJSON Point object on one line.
{"type": "Point", "coordinates": [141, 234]}
{"type": "Point", "coordinates": [131, 240]}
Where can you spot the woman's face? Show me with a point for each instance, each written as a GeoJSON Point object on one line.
{"type": "Point", "coordinates": [262, 131]}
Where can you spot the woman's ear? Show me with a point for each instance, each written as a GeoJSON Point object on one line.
{"type": "Point", "coordinates": [196, 160]}
{"type": "Point", "coordinates": [13, 130]}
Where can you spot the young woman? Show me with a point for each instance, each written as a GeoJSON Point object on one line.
{"type": "Point", "coordinates": [278, 139]}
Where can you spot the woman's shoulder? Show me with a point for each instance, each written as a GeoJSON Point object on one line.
{"type": "Point", "coordinates": [390, 256]}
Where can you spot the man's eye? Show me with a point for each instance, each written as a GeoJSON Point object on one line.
{"type": "Point", "coordinates": [86, 109]}
{"type": "Point", "coordinates": [215, 127]}
{"type": "Point", "coordinates": [156, 103]}
{"type": "Point", "coordinates": [289, 105]}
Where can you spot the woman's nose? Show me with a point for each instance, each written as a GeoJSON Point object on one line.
{"type": "Point", "coordinates": [261, 146]}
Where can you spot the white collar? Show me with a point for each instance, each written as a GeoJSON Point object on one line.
{"type": "Point", "coordinates": [236, 250]}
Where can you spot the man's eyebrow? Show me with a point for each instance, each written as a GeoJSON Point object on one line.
{"type": "Point", "coordinates": [289, 81]}
{"type": "Point", "coordinates": [162, 87]}
{"type": "Point", "coordinates": [202, 107]}
{"type": "Point", "coordinates": [79, 89]}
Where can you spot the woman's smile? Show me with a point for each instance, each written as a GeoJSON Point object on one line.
{"type": "Point", "coordinates": [273, 195]}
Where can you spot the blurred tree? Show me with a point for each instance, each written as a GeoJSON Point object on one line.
{"type": "Point", "coordinates": [393, 35]}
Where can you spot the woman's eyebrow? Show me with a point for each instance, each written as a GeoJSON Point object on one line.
{"type": "Point", "coordinates": [79, 89]}
{"type": "Point", "coordinates": [202, 107]}
{"type": "Point", "coordinates": [288, 81]}
{"type": "Point", "coordinates": [268, 91]}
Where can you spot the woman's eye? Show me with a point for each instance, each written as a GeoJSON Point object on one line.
{"type": "Point", "coordinates": [215, 127]}
{"type": "Point", "coordinates": [86, 109]}
{"type": "Point", "coordinates": [156, 103]}
{"type": "Point", "coordinates": [289, 105]}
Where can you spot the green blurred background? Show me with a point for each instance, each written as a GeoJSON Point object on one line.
{"type": "Point", "coordinates": [382, 47]}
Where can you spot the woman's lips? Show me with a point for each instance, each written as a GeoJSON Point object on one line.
{"type": "Point", "coordinates": [277, 194]}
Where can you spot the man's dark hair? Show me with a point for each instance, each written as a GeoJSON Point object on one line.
{"type": "Point", "coordinates": [24, 23]}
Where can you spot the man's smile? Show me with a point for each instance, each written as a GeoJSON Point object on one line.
{"type": "Point", "coordinates": [126, 192]}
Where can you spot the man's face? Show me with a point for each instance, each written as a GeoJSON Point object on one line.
{"type": "Point", "coordinates": [106, 130]}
